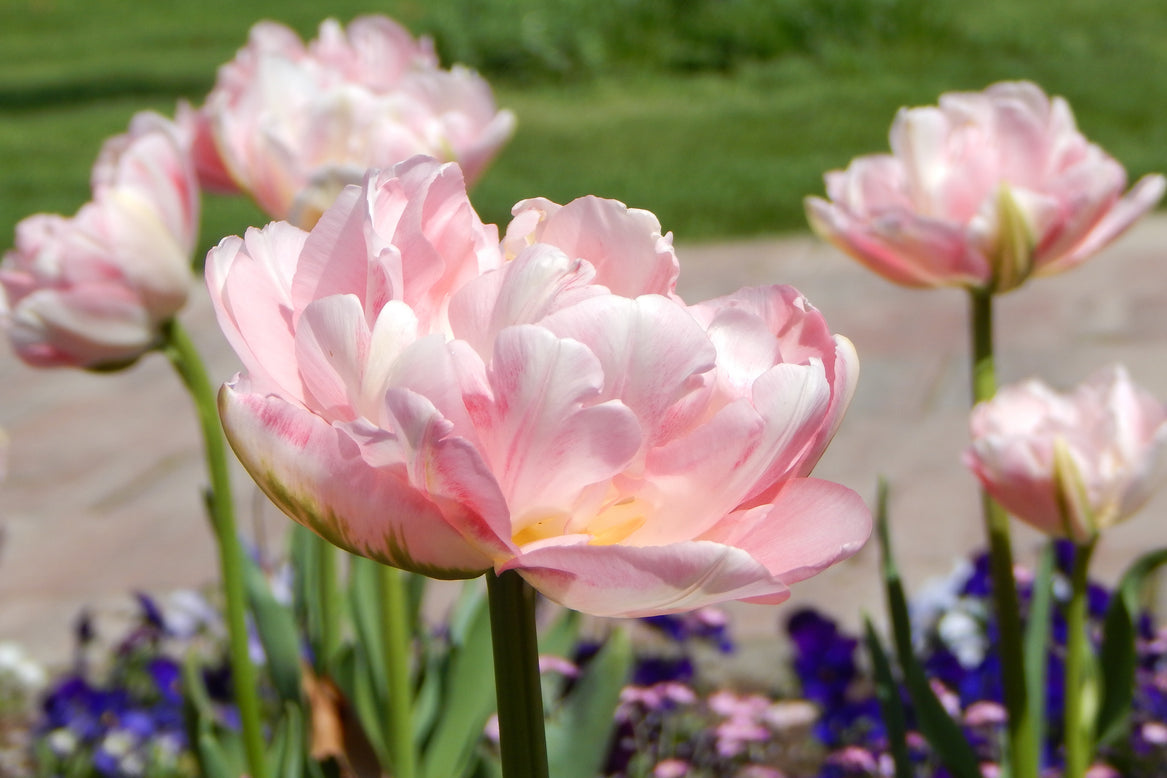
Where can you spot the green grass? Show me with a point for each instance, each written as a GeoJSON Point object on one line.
{"type": "Point", "coordinates": [718, 115]}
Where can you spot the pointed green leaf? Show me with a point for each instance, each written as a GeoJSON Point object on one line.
{"type": "Point", "coordinates": [289, 748]}
{"type": "Point", "coordinates": [468, 693]}
{"type": "Point", "coordinates": [580, 732]}
{"type": "Point", "coordinates": [1117, 655]}
{"type": "Point", "coordinates": [366, 617]}
{"type": "Point", "coordinates": [305, 599]}
{"type": "Point", "coordinates": [276, 626]}
{"type": "Point", "coordinates": [941, 732]}
{"type": "Point", "coordinates": [890, 705]}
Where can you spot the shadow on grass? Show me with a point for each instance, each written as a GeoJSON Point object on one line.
{"type": "Point", "coordinates": [99, 88]}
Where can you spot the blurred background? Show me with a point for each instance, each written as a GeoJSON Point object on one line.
{"type": "Point", "coordinates": [718, 115]}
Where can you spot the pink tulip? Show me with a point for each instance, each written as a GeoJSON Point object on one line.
{"type": "Point", "coordinates": [292, 124]}
{"type": "Point", "coordinates": [983, 191]}
{"type": "Point", "coordinates": [1073, 464]}
{"type": "Point", "coordinates": [417, 396]}
{"type": "Point", "coordinates": [92, 290]}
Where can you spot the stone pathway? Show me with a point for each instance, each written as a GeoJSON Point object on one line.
{"type": "Point", "coordinates": [102, 493]}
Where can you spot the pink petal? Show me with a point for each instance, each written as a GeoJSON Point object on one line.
{"type": "Point", "coordinates": [633, 582]}
{"type": "Point", "coordinates": [358, 486]}
{"type": "Point", "coordinates": [545, 435]}
{"type": "Point", "coordinates": [810, 525]}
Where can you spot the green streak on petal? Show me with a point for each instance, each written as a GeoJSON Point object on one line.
{"type": "Point", "coordinates": [393, 550]}
{"type": "Point", "coordinates": [1013, 255]}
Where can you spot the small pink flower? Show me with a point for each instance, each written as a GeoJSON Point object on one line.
{"type": "Point", "coordinates": [983, 191]}
{"type": "Point", "coordinates": [292, 123]}
{"type": "Point", "coordinates": [548, 663]}
{"type": "Point", "coordinates": [1070, 464]}
{"type": "Point", "coordinates": [985, 713]}
{"type": "Point", "coordinates": [92, 290]}
{"type": "Point", "coordinates": [738, 706]}
{"type": "Point", "coordinates": [419, 397]}
{"type": "Point", "coordinates": [671, 768]}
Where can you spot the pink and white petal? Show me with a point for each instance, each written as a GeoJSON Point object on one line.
{"type": "Point", "coordinates": [810, 525]}
{"type": "Point", "coordinates": [651, 350]}
{"type": "Point", "coordinates": [544, 435]}
{"type": "Point", "coordinates": [250, 282]}
{"type": "Point", "coordinates": [323, 476]}
{"type": "Point", "coordinates": [336, 254]}
{"type": "Point", "coordinates": [332, 345]}
{"type": "Point", "coordinates": [633, 582]}
{"type": "Point", "coordinates": [901, 247]}
{"type": "Point", "coordinates": [624, 244]}
{"type": "Point", "coordinates": [152, 258]}
{"type": "Point", "coordinates": [541, 280]}
{"type": "Point", "coordinates": [1143, 197]}
{"type": "Point", "coordinates": [90, 326]}
{"type": "Point", "coordinates": [696, 478]}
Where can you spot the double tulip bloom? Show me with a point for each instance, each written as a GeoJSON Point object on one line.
{"type": "Point", "coordinates": [982, 191]}
{"type": "Point", "coordinates": [1070, 465]}
{"type": "Point", "coordinates": [94, 289]}
{"type": "Point", "coordinates": [291, 123]}
{"type": "Point", "coordinates": [418, 393]}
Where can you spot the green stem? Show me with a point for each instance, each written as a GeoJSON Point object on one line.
{"type": "Point", "coordinates": [182, 354]}
{"type": "Point", "coordinates": [395, 622]}
{"type": "Point", "coordinates": [1078, 732]}
{"type": "Point", "coordinates": [522, 739]}
{"type": "Point", "coordinates": [1023, 745]}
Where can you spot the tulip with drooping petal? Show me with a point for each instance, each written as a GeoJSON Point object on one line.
{"type": "Point", "coordinates": [1070, 464]}
{"type": "Point", "coordinates": [444, 406]}
{"type": "Point", "coordinates": [292, 123]}
{"type": "Point", "coordinates": [982, 191]}
{"type": "Point", "coordinates": [93, 290]}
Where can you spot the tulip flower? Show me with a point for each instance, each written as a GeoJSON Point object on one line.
{"type": "Point", "coordinates": [417, 395]}
{"type": "Point", "coordinates": [92, 290]}
{"type": "Point", "coordinates": [982, 191]}
{"type": "Point", "coordinates": [292, 124]}
{"type": "Point", "coordinates": [1070, 464]}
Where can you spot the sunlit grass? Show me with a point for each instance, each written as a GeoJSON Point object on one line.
{"type": "Point", "coordinates": [723, 151]}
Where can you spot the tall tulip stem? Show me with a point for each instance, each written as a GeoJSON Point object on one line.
{"type": "Point", "coordinates": [522, 739]}
{"type": "Point", "coordinates": [1023, 745]}
{"type": "Point", "coordinates": [1078, 730]}
{"type": "Point", "coordinates": [397, 637]}
{"type": "Point", "coordinates": [185, 357]}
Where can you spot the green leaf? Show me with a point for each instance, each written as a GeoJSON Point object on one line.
{"type": "Point", "coordinates": [468, 693]}
{"type": "Point", "coordinates": [941, 732]}
{"type": "Point", "coordinates": [213, 759]}
{"type": "Point", "coordinates": [305, 594]}
{"type": "Point", "coordinates": [354, 678]}
{"type": "Point", "coordinates": [558, 640]}
{"type": "Point", "coordinates": [579, 734]}
{"type": "Point", "coordinates": [1036, 641]}
{"type": "Point", "coordinates": [1117, 655]}
{"type": "Point", "coordinates": [219, 753]}
{"type": "Point", "coordinates": [890, 704]}
{"type": "Point", "coordinates": [276, 626]}
{"type": "Point", "coordinates": [429, 693]}
{"type": "Point", "coordinates": [289, 748]}
{"type": "Point", "coordinates": [366, 616]}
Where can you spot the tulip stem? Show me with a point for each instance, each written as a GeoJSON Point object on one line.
{"type": "Point", "coordinates": [1078, 730]}
{"type": "Point", "coordinates": [1023, 745]}
{"type": "Point", "coordinates": [397, 637]}
{"type": "Point", "coordinates": [522, 739]}
{"type": "Point", "coordinates": [185, 357]}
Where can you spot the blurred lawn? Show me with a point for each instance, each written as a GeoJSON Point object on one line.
{"type": "Point", "coordinates": [719, 115]}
